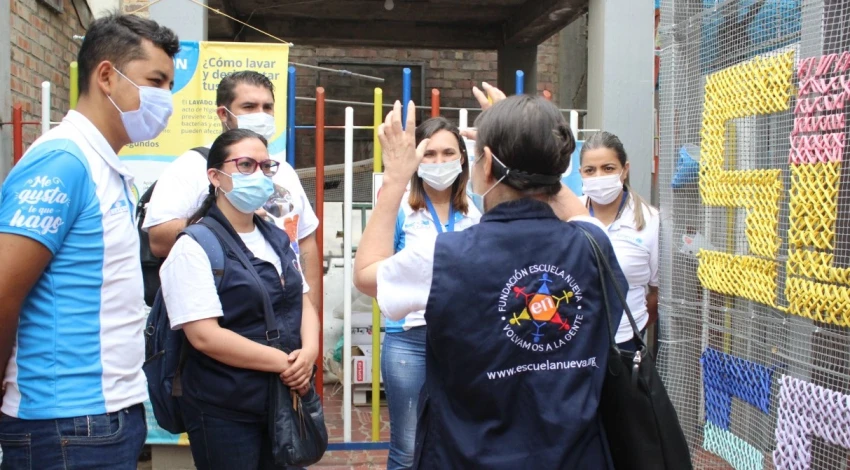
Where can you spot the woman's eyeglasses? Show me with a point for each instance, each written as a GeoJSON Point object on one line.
{"type": "Point", "coordinates": [247, 165]}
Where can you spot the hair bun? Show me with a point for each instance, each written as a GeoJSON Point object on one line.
{"type": "Point", "coordinates": [568, 141]}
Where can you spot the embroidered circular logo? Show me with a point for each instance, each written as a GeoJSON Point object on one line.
{"type": "Point", "coordinates": [542, 308]}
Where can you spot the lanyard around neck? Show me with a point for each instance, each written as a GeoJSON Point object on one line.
{"type": "Point", "coordinates": [451, 225]}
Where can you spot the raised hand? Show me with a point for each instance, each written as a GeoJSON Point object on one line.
{"type": "Point", "coordinates": [400, 156]}
{"type": "Point", "coordinates": [490, 96]}
{"type": "Point", "coordinates": [487, 98]}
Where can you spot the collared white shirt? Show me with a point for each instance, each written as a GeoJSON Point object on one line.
{"type": "Point", "coordinates": [637, 253]}
{"type": "Point", "coordinates": [183, 186]}
{"type": "Point", "coordinates": [80, 345]}
{"type": "Point", "coordinates": [188, 286]}
{"type": "Point", "coordinates": [416, 229]}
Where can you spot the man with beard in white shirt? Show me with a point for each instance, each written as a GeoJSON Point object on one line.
{"type": "Point", "coordinates": [244, 100]}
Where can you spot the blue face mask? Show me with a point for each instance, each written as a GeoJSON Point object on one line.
{"type": "Point", "coordinates": [249, 192]}
{"type": "Point", "coordinates": [478, 199]}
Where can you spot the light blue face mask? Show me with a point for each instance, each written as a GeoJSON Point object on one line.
{"type": "Point", "coordinates": [249, 192]}
{"type": "Point", "coordinates": [478, 199]}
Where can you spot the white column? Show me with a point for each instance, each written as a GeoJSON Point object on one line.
{"type": "Point", "coordinates": [620, 90]}
{"type": "Point", "coordinates": [348, 197]}
{"type": "Point", "coordinates": [187, 19]}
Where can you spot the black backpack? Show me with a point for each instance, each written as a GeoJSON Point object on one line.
{"type": "Point", "coordinates": [151, 263]}
{"type": "Point", "coordinates": [166, 349]}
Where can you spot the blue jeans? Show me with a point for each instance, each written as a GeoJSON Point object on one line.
{"type": "Point", "coordinates": [106, 441]}
{"type": "Point", "coordinates": [403, 370]}
{"type": "Point", "coordinates": [223, 444]}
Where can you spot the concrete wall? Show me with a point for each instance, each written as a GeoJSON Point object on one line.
{"type": "Point", "coordinates": [620, 91]}
{"type": "Point", "coordinates": [103, 7]}
{"type": "Point", "coordinates": [572, 63]}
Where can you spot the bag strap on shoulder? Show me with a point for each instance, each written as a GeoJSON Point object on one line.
{"type": "Point", "coordinates": [273, 334]}
{"type": "Point", "coordinates": [148, 194]}
{"type": "Point", "coordinates": [607, 274]}
{"type": "Point", "coordinates": [212, 247]}
{"type": "Point", "coordinates": [204, 151]}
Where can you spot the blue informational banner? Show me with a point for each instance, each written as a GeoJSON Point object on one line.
{"type": "Point", "coordinates": [572, 178]}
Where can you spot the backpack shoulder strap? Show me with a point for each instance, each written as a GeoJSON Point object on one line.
{"type": "Point", "coordinates": [204, 151]}
{"type": "Point", "coordinates": [146, 197]}
{"type": "Point", "coordinates": [212, 247]}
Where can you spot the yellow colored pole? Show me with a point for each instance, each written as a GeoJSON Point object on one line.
{"type": "Point", "coordinates": [376, 312]}
{"type": "Point", "coordinates": [75, 84]}
{"type": "Point", "coordinates": [378, 119]}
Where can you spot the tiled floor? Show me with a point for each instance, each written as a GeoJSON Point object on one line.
{"type": "Point", "coordinates": [373, 459]}
{"type": "Point", "coordinates": [361, 431]}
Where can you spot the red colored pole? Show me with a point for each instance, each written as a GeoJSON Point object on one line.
{"type": "Point", "coordinates": [435, 102]}
{"type": "Point", "coordinates": [320, 213]}
{"type": "Point", "coordinates": [17, 133]}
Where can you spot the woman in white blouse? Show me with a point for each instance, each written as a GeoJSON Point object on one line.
{"type": "Point", "coordinates": [631, 223]}
{"type": "Point", "coordinates": [436, 203]}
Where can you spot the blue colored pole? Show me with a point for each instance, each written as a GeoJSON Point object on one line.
{"type": "Point", "coordinates": [405, 95]}
{"type": "Point", "coordinates": [520, 79]}
{"type": "Point", "coordinates": [290, 117]}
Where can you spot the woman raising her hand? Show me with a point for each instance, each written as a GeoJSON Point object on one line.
{"type": "Point", "coordinates": [518, 335]}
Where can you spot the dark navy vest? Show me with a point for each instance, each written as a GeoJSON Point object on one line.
{"type": "Point", "coordinates": [230, 392]}
{"type": "Point", "coordinates": [517, 345]}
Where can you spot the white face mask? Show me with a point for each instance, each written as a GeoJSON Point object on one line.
{"type": "Point", "coordinates": [478, 199]}
{"type": "Point", "coordinates": [261, 123]}
{"type": "Point", "coordinates": [147, 122]}
{"type": "Point", "coordinates": [603, 189]}
{"type": "Point", "coordinates": [440, 175]}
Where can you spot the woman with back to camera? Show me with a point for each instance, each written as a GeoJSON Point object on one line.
{"type": "Point", "coordinates": [229, 362]}
{"type": "Point", "coordinates": [436, 203]}
{"type": "Point", "coordinates": [517, 337]}
{"type": "Point", "coordinates": [631, 224]}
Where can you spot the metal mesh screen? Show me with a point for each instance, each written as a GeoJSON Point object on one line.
{"type": "Point", "coordinates": [755, 286]}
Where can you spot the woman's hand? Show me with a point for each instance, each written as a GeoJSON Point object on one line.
{"type": "Point", "coordinates": [300, 369]}
{"type": "Point", "coordinates": [401, 158]}
{"type": "Point", "coordinates": [490, 96]}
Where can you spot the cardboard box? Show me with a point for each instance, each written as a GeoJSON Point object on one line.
{"type": "Point", "coordinates": [362, 364]}
{"type": "Point", "coordinates": [363, 335]}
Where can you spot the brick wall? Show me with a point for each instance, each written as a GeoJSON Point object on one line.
{"type": "Point", "coordinates": [42, 49]}
{"type": "Point", "coordinates": [452, 72]}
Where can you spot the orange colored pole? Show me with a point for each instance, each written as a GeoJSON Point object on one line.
{"type": "Point", "coordinates": [435, 102]}
{"type": "Point", "coordinates": [17, 133]}
{"type": "Point", "coordinates": [320, 213]}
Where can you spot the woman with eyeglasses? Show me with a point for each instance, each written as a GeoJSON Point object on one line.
{"type": "Point", "coordinates": [228, 364]}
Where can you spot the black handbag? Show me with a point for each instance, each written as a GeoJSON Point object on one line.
{"type": "Point", "coordinates": [640, 423]}
{"type": "Point", "coordinates": [297, 428]}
